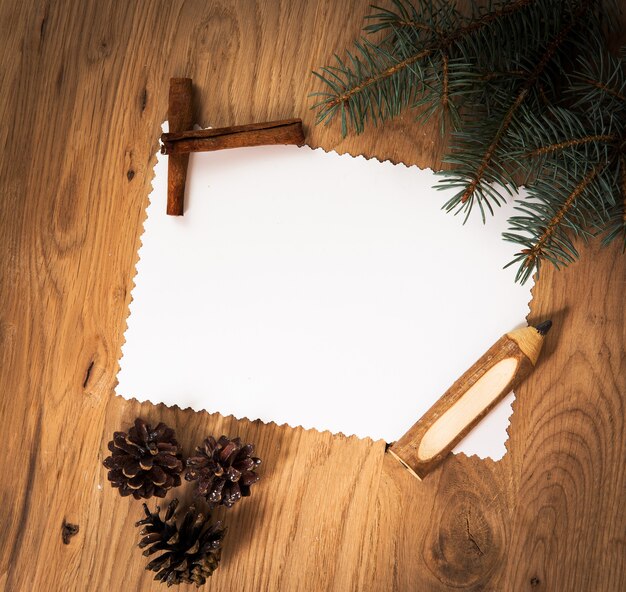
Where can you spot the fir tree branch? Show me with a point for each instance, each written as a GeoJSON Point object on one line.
{"type": "Point", "coordinates": [486, 160]}
{"type": "Point", "coordinates": [568, 144]}
{"type": "Point", "coordinates": [490, 17]}
{"type": "Point", "coordinates": [487, 76]}
{"type": "Point", "coordinates": [444, 43]}
{"type": "Point", "coordinates": [533, 95]}
{"type": "Point", "coordinates": [551, 49]}
{"type": "Point", "coordinates": [605, 87]}
{"type": "Point", "coordinates": [390, 20]}
{"type": "Point", "coordinates": [406, 24]}
{"type": "Point", "coordinates": [418, 25]}
{"type": "Point", "coordinates": [406, 18]}
{"type": "Point", "coordinates": [616, 226]}
{"type": "Point", "coordinates": [388, 72]}
{"type": "Point", "coordinates": [475, 25]}
{"type": "Point", "coordinates": [536, 251]}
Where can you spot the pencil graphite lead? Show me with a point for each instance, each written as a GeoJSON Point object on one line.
{"type": "Point", "coordinates": [544, 327]}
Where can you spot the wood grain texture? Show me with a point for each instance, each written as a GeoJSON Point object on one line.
{"type": "Point", "coordinates": [330, 513]}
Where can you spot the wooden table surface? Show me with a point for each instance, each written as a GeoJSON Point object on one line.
{"type": "Point", "coordinates": [84, 92]}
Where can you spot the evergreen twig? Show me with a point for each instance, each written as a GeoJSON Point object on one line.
{"type": "Point", "coordinates": [530, 81]}
{"type": "Point", "coordinates": [531, 256]}
{"type": "Point", "coordinates": [558, 146]}
{"type": "Point", "coordinates": [498, 77]}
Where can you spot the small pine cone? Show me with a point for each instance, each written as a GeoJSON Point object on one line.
{"type": "Point", "coordinates": [225, 470]}
{"type": "Point", "coordinates": [191, 552]}
{"type": "Point", "coordinates": [144, 462]}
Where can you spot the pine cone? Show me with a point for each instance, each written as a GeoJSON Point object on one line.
{"type": "Point", "coordinates": [224, 470]}
{"type": "Point", "coordinates": [191, 552]}
{"type": "Point", "coordinates": [145, 462]}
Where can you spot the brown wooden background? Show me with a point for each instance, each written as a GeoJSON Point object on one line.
{"type": "Point", "coordinates": [83, 94]}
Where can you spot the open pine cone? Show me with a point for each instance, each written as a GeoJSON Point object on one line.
{"type": "Point", "coordinates": [191, 552]}
{"type": "Point", "coordinates": [225, 470]}
{"type": "Point", "coordinates": [144, 462]}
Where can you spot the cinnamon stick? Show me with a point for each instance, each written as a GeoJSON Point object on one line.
{"type": "Point", "coordinates": [288, 131]}
{"type": "Point", "coordinates": [180, 117]}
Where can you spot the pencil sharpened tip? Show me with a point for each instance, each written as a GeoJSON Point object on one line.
{"type": "Point", "coordinates": [543, 328]}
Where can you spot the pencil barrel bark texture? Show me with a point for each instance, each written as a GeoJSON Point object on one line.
{"type": "Point", "coordinates": [501, 369]}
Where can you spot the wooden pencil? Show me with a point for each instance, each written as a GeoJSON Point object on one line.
{"type": "Point", "coordinates": [469, 399]}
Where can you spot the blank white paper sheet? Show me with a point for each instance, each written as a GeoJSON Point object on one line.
{"type": "Point", "coordinates": [317, 290]}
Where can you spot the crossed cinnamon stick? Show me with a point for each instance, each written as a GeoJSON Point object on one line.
{"type": "Point", "coordinates": [181, 140]}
